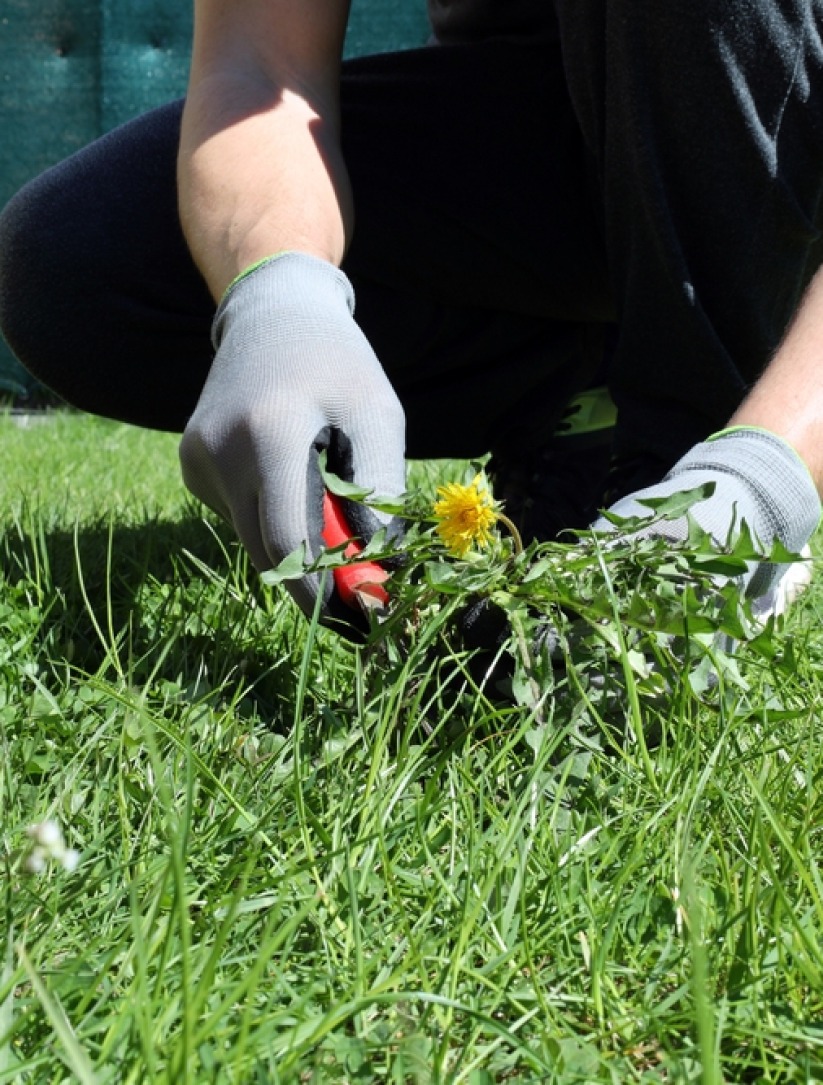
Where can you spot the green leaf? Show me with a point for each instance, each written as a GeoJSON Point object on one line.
{"type": "Point", "coordinates": [443, 578]}
{"type": "Point", "coordinates": [638, 663]}
{"type": "Point", "coordinates": [480, 1077]}
{"type": "Point", "coordinates": [575, 1059]}
{"type": "Point", "coordinates": [393, 506]}
{"type": "Point", "coordinates": [721, 565]}
{"type": "Point", "coordinates": [292, 567]}
{"type": "Point", "coordinates": [676, 505]}
{"type": "Point", "coordinates": [743, 543]}
{"type": "Point", "coordinates": [332, 558]}
{"type": "Point", "coordinates": [627, 525]}
{"type": "Point", "coordinates": [336, 485]}
{"type": "Point", "coordinates": [537, 570]}
{"type": "Point", "coordinates": [779, 555]}
{"type": "Point", "coordinates": [698, 538]}
{"type": "Point", "coordinates": [376, 545]}
{"type": "Point", "coordinates": [522, 689]}
{"type": "Point", "coordinates": [728, 667]}
{"type": "Point", "coordinates": [703, 677]}
{"type": "Point", "coordinates": [640, 611]}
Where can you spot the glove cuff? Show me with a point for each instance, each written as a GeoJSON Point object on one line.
{"type": "Point", "coordinates": [773, 473]}
{"type": "Point", "coordinates": [253, 267]}
{"type": "Point", "coordinates": [276, 280]}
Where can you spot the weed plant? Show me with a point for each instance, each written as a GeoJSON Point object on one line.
{"type": "Point", "coordinates": [306, 862]}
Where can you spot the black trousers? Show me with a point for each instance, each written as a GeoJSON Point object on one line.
{"type": "Point", "coordinates": [658, 166]}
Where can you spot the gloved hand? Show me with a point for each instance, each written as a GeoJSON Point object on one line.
{"type": "Point", "coordinates": [758, 478]}
{"type": "Point", "coordinates": [293, 375]}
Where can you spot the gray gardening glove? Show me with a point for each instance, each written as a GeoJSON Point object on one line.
{"type": "Point", "coordinates": [293, 375]}
{"type": "Point", "coordinates": [758, 478]}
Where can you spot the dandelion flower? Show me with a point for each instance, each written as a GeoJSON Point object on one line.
{"type": "Point", "coordinates": [465, 515]}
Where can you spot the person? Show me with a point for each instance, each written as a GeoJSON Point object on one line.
{"type": "Point", "coordinates": [549, 195]}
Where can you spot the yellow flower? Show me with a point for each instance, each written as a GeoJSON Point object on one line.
{"type": "Point", "coordinates": [465, 515]}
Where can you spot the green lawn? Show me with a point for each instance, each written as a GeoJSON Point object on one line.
{"type": "Point", "coordinates": [301, 862]}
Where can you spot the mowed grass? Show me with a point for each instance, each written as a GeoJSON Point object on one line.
{"type": "Point", "coordinates": [306, 863]}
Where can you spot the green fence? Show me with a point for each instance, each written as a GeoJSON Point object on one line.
{"type": "Point", "coordinates": [73, 69]}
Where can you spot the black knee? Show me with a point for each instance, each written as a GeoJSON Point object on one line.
{"type": "Point", "coordinates": [27, 244]}
{"type": "Point", "coordinates": [99, 296]}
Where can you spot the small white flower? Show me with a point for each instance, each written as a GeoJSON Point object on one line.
{"type": "Point", "coordinates": [35, 861]}
{"type": "Point", "coordinates": [70, 859]}
{"type": "Point", "coordinates": [48, 835]}
{"type": "Point", "coordinates": [49, 844]}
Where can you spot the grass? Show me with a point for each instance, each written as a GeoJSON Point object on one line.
{"type": "Point", "coordinates": [306, 863]}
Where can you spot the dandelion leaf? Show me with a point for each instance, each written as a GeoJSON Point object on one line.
{"type": "Point", "coordinates": [292, 567]}
{"type": "Point", "coordinates": [677, 505]}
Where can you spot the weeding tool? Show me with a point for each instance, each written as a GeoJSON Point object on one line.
{"type": "Point", "coordinates": [360, 585]}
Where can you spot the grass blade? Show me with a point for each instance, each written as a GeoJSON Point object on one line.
{"type": "Point", "coordinates": [76, 1057]}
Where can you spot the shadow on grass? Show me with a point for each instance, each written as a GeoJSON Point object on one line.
{"type": "Point", "coordinates": [156, 600]}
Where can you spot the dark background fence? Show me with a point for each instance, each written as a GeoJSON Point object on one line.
{"type": "Point", "coordinates": [71, 70]}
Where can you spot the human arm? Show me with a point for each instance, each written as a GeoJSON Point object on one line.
{"type": "Point", "coordinates": [260, 169]}
{"type": "Point", "coordinates": [260, 175]}
{"type": "Point", "coordinates": [767, 466]}
{"type": "Point", "coordinates": [788, 398]}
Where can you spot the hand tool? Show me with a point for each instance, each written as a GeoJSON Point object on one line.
{"type": "Point", "coordinates": [359, 585]}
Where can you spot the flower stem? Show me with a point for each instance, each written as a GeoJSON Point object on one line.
{"type": "Point", "coordinates": [515, 534]}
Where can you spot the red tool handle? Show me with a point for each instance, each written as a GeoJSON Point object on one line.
{"type": "Point", "coordinates": [359, 585]}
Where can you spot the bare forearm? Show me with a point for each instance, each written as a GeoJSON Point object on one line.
{"type": "Point", "coordinates": [260, 169]}
{"type": "Point", "coordinates": [259, 183]}
{"type": "Point", "coordinates": [788, 398]}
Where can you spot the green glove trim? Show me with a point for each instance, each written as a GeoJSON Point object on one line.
{"type": "Point", "coordinates": [740, 429]}
{"type": "Point", "coordinates": [253, 267]}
